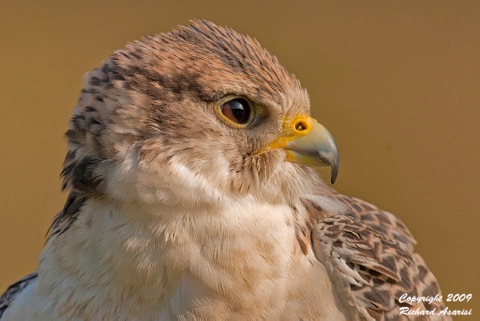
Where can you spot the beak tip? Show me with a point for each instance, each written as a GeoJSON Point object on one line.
{"type": "Point", "coordinates": [333, 175]}
{"type": "Point", "coordinates": [330, 159]}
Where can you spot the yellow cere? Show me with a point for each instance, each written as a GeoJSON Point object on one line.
{"type": "Point", "coordinates": [294, 128]}
{"type": "Point", "coordinates": [301, 125]}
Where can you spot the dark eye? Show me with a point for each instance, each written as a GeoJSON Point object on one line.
{"type": "Point", "coordinates": [237, 110]}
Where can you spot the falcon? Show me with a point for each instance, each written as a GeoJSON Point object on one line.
{"type": "Point", "coordinates": [194, 194]}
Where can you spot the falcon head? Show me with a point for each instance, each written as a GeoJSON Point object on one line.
{"type": "Point", "coordinates": [193, 116]}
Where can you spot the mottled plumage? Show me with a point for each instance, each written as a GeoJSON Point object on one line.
{"type": "Point", "coordinates": [193, 195]}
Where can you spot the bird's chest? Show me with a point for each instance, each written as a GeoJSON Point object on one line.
{"type": "Point", "coordinates": [201, 267]}
{"type": "Point", "coordinates": [204, 265]}
{"type": "Point", "coordinates": [237, 269]}
{"type": "Point", "coordinates": [226, 263]}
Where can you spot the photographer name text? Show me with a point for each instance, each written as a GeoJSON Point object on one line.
{"type": "Point", "coordinates": [412, 300]}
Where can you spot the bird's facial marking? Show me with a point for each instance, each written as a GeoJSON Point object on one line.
{"type": "Point", "coordinates": [237, 112]}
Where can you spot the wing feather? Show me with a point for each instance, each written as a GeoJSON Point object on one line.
{"type": "Point", "coordinates": [7, 298]}
{"type": "Point", "coordinates": [369, 255]}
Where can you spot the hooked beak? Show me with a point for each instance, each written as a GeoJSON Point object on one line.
{"type": "Point", "coordinates": [310, 143]}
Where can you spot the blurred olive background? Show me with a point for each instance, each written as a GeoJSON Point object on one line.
{"type": "Point", "coordinates": [396, 82]}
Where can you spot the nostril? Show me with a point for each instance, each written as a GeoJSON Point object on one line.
{"type": "Point", "coordinates": [301, 126]}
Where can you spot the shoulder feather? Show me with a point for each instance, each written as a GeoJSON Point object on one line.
{"type": "Point", "coordinates": [369, 255]}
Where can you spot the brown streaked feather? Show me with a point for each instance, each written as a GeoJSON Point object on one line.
{"type": "Point", "coordinates": [68, 215]}
{"type": "Point", "coordinates": [369, 255]}
{"type": "Point", "coordinates": [13, 290]}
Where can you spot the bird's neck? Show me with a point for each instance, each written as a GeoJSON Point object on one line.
{"type": "Point", "coordinates": [172, 258]}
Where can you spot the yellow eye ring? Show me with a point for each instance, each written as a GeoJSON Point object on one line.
{"type": "Point", "coordinates": [236, 111]}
